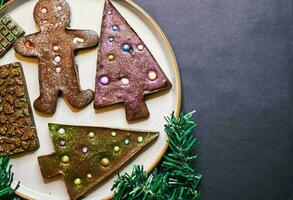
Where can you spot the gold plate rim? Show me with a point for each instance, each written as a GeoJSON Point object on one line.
{"type": "Point", "coordinates": [177, 76]}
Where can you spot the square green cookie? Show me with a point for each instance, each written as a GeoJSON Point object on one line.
{"type": "Point", "coordinates": [10, 25]}
{"type": "Point", "coordinates": [5, 20]}
{"type": "Point", "coordinates": [9, 32]}
{"type": "Point", "coordinates": [4, 43]}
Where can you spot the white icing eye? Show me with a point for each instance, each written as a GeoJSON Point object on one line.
{"type": "Point", "coordinates": [44, 10]}
{"type": "Point", "coordinates": [59, 8]}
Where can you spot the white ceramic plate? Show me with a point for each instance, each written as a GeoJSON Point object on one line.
{"type": "Point", "coordinates": [87, 14]}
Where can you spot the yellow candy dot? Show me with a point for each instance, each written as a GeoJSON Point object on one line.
{"type": "Point", "coordinates": [56, 48]}
{"type": "Point", "coordinates": [116, 149]}
{"type": "Point", "coordinates": [77, 181]}
{"type": "Point", "coordinates": [91, 134]}
{"type": "Point", "coordinates": [105, 162]}
{"type": "Point", "coordinates": [140, 139]}
{"type": "Point", "coordinates": [111, 57]}
{"type": "Point", "coordinates": [113, 134]}
{"type": "Point", "coordinates": [65, 159]}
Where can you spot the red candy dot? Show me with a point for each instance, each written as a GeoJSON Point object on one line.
{"type": "Point", "coordinates": [28, 45]}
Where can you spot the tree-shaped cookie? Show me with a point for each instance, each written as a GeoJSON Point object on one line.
{"type": "Point", "coordinates": [54, 46]}
{"type": "Point", "coordinates": [126, 71]}
{"type": "Point", "coordinates": [85, 156]}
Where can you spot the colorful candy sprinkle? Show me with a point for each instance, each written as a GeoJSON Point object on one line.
{"type": "Point", "coordinates": [62, 143]}
{"type": "Point", "coordinates": [104, 80]}
{"type": "Point", "coordinates": [111, 57]}
{"type": "Point", "coordinates": [56, 48]}
{"type": "Point", "coordinates": [114, 134]}
{"type": "Point", "coordinates": [152, 75]}
{"type": "Point", "coordinates": [57, 59]}
{"type": "Point", "coordinates": [44, 10]}
{"type": "Point", "coordinates": [65, 159]}
{"type": "Point", "coordinates": [61, 131]}
{"type": "Point", "coordinates": [127, 142]}
{"type": "Point", "coordinates": [58, 69]}
{"type": "Point", "coordinates": [85, 150]}
{"type": "Point", "coordinates": [140, 139]}
{"type": "Point", "coordinates": [124, 81]}
{"type": "Point", "coordinates": [115, 28]}
{"type": "Point", "coordinates": [140, 47]}
{"type": "Point", "coordinates": [105, 162]}
{"type": "Point", "coordinates": [116, 149]}
{"type": "Point", "coordinates": [91, 134]}
{"type": "Point", "coordinates": [89, 176]}
{"type": "Point", "coordinates": [126, 47]}
{"type": "Point", "coordinates": [77, 181]}
{"type": "Point", "coordinates": [28, 45]}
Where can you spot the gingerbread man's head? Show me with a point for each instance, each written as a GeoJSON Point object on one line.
{"type": "Point", "coordinates": [52, 14]}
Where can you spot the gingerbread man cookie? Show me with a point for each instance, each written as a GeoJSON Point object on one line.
{"type": "Point", "coordinates": [54, 46]}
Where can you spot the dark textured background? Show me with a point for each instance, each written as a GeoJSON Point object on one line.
{"type": "Point", "coordinates": [236, 59]}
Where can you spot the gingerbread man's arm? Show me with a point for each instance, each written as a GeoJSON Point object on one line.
{"type": "Point", "coordinates": [83, 38]}
{"type": "Point", "coordinates": [25, 46]}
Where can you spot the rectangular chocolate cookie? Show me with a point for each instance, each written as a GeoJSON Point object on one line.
{"type": "Point", "coordinates": [9, 32]}
{"type": "Point", "coordinates": [17, 127]}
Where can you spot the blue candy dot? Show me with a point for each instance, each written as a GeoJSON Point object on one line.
{"type": "Point", "coordinates": [126, 47]}
{"type": "Point", "coordinates": [127, 142]}
{"type": "Point", "coordinates": [115, 28]}
{"type": "Point", "coordinates": [110, 39]}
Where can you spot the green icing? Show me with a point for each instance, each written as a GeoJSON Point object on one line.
{"type": "Point", "coordinates": [89, 162]}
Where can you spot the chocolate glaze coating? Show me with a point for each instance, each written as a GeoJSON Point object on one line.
{"type": "Point", "coordinates": [18, 132]}
{"type": "Point", "coordinates": [54, 46]}
{"type": "Point", "coordinates": [134, 65]}
{"type": "Point", "coordinates": [90, 150]}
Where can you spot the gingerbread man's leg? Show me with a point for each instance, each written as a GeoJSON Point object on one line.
{"type": "Point", "coordinates": [79, 98]}
{"type": "Point", "coordinates": [75, 96]}
{"type": "Point", "coordinates": [47, 101]}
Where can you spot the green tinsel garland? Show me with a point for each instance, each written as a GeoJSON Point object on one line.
{"type": "Point", "coordinates": [177, 180]}
{"type": "Point", "coordinates": [2, 2]}
{"type": "Point", "coordinates": [6, 178]}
